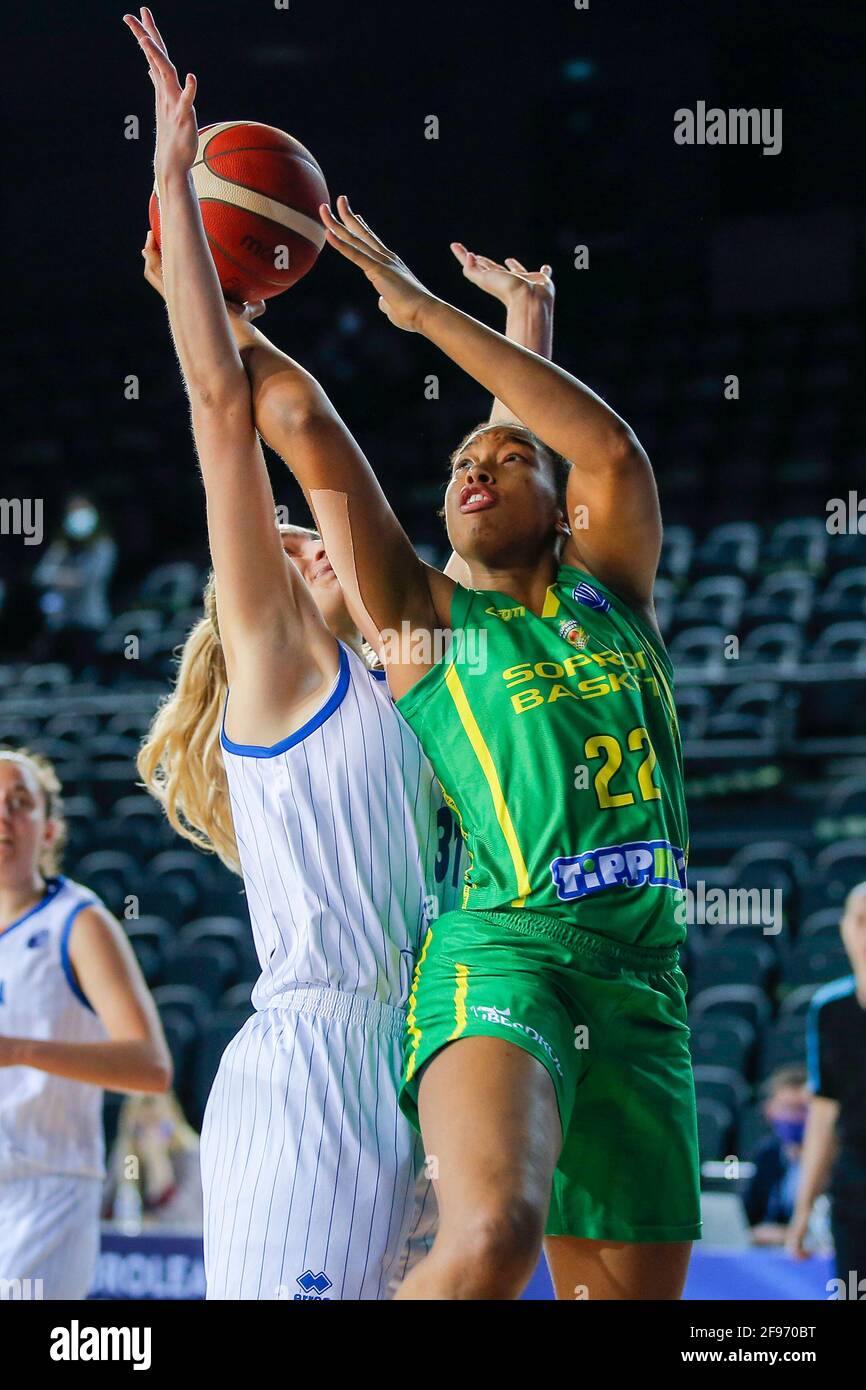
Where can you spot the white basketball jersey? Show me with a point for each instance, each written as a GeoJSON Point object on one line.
{"type": "Point", "coordinates": [48, 1124]}
{"type": "Point", "coordinates": [346, 845]}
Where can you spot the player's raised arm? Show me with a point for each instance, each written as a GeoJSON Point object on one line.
{"type": "Point", "coordinates": [528, 297]}
{"type": "Point", "coordinates": [266, 615]}
{"type": "Point", "coordinates": [620, 530]}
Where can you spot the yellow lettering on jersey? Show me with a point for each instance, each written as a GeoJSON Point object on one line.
{"type": "Point", "coordinates": [506, 613]}
{"type": "Point", "coordinates": [610, 683]}
{"type": "Point", "coordinates": [573, 663]}
{"type": "Point", "coordinates": [596, 685]}
{"type": "Point", "coordinates": [627, 681]}
{"type": "Point", "coordinates": [515, 674]}
{"type": "Point", "coordinates": [527, 699]}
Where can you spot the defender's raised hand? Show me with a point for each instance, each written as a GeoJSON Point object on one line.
{"type": "Point", "coordinates": [401, 296]}
{"type": "Point", "coordinates": [176, 129]}
{"type": "Point", "coordinates": [506, 281]}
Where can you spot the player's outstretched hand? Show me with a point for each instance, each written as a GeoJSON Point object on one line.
{"type": "Point", "coordinates": [153, 276]}
{"type": "Point", "coordinates": [176, 129]}
{"type": "Point", "coordinates": [505, 282]}
{"type": "Point", "coordinates": [401, 296]}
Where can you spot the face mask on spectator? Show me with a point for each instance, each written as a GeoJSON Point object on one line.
{"type": "Point", "coordinates": [789, 1131]}
{"type": "Point", "coordinates": [80, 522]}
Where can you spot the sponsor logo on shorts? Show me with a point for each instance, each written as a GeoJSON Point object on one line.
{"type": "Point", "coordinates": [315, 1286]}
{"type": "Point", "coordinates": [657, 863]}
{"type": "Point", "coordinates": [488, 1014]}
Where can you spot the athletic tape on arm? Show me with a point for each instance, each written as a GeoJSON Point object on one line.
{"type": "Point", "coordinates": [331, 510]}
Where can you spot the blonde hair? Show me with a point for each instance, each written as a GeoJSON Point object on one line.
{"type": "Point", "coordinates": [180, 761]}
{"type": "Point", "coordinates": [52, 794]}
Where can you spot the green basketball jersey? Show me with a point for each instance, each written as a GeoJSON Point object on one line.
{"type": "Point", "coordinates": [555, 739]}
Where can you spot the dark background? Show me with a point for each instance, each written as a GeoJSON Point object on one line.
{"type": "Point", "coordinates": [556, 128]}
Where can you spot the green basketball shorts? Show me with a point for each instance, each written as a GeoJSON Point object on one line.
{"type": "Point", "coordinates": [608, 1022]}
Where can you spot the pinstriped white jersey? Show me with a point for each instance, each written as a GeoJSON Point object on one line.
{"type": "Point", "coordinates": [48, 1124]}
{"type": "Point", "coordinates": [346, 845]}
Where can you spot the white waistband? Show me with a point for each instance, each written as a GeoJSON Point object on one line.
{"type": "Point", "coordinates": [337, 1003]}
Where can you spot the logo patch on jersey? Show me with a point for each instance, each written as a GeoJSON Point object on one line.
{"type": "Point", "coordinates": [655, 862]}
{"type": "Point", "coordinates": [506, 614]}
{"type": "Point", "coordinates": [38, 938]}
{"type": "Point", "coordinates": [574, 633]}
{"type": "Point", "coordinates": [314, 1285]}
{"type": "Point", "coordinates": [591, 598]}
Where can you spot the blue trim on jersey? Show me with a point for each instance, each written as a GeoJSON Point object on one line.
{"type": "Point", "coordinates": [52, 888]}
{"type": "Point", "coordinates": [333, 702]}
{"type": "Point", "coordinates": [64, 954]}
{"type": "Point", "coordinates": [836, 989]}
{"type": "Point", "coordinates": [378, 673]}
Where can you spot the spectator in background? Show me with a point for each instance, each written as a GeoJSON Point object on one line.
{"type": "Point", "coordinates": [835, 1140]}
{"type": "Point", "coordinates": [74, 576]}
{"type": "Point", "coordinates": [772, 1192]}
{"type": "Point", "coordinates": [153, 1173]}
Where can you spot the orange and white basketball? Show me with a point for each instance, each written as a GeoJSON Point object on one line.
{"type": "Point", "coordinates": [259, 191]}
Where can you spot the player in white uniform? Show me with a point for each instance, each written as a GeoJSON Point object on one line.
{"type": "Point", "coordinates": [75, 1017]}
{"type": "Point", "coordinates": [337, 833]}
{"type": "Point", "coordinates": [308, 1168]}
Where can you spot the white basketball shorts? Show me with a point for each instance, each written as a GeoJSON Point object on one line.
{"type": "Point", "coordinates": [313, 1179]}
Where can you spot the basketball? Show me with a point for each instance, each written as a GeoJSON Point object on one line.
{"type": "Point", "coordinates": [259, 191]}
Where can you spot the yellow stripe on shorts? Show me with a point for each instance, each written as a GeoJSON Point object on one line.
{"type": "Point", "coordinates": [411, 1021]}
{"type": "Point", "coordinates": [482, 753]}
{"type": "Point", "coordinates": [461, 989]}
